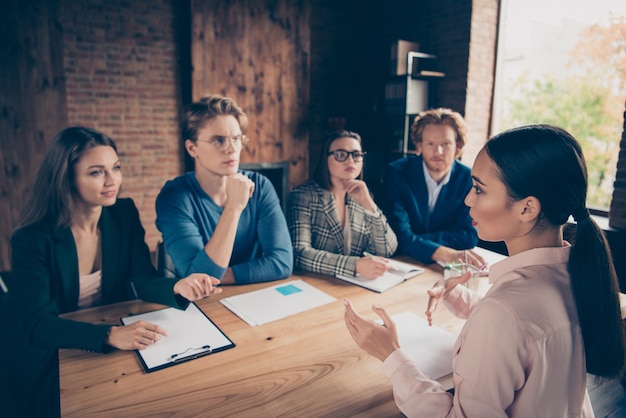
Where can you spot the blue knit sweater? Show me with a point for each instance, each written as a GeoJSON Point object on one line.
{"type": "Point", "coordinates": [187, 217]}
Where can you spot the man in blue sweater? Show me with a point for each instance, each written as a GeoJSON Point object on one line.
{"type": "Point", "coordinates": [424, 193]}
{"type": "Point", "coordinates": [217, 219]}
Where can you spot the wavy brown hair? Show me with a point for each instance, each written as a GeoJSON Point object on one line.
{"type": "Point", "coordinates": [53, 192]}
{"type": "Point", "coordinates": [440, 116]}
{"type": "Point", "coordinates": [196, 114]}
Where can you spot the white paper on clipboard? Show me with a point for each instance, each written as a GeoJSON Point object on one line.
{"type": "Point", "coordinates": [191, 334]}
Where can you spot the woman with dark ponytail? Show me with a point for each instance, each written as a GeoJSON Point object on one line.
{"type": "Point", "coordinates": [552, 313]}
{"type": "Point", "coordinates": [548, 163]}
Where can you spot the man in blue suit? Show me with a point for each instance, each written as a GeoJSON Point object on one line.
{"type": "Point", "coordinates": [424, 193]}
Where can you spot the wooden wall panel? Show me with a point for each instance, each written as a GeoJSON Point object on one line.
{"type": "Point", "coordinates": [32, 103]}
{"type": "Point", "coordinates": [257, 52]}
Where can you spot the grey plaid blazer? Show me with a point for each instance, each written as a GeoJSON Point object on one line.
{"type": "Point", "coordinates": [317, 234]}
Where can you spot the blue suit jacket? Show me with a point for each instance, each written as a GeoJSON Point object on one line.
{"type": "Point", "coordinates": [419, 232]}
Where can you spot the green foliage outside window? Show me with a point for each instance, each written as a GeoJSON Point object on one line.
{"type": "Point", "coordinates": [589, 104]}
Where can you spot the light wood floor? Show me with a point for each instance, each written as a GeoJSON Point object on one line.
{"type": "Point", "coordinates": [607, 398]}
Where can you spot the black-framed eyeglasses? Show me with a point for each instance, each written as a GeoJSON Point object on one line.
{"type": "Point", "coordinates": [221, 142]}
{"type": "Point", "coordinates": [342, 155]}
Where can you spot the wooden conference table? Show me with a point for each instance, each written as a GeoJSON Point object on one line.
{"type": "Point", "coordinates": [305, 365]}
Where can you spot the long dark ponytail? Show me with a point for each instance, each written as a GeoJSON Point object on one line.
{"type": "Point", "coordinates": [548, 163]}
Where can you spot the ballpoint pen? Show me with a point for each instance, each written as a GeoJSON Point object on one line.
{"type": "Point", "coordinates": [3, 286]}
{"type": "Point", "coordinates": [372, 256]}
{"type": "Point", "coordinates": [464, 267]}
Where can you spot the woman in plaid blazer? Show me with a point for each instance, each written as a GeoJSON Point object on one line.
{"type": "Point", "coordinates": [333, 219]}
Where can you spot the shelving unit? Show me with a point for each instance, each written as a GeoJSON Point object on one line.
{"type": "Point", "coordinates": [406, 96]}
{"type": "Point", "coordinates": [410, 89]}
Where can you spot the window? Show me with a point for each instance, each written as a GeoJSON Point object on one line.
{"type": "Point", "coordinates": [563, 62]}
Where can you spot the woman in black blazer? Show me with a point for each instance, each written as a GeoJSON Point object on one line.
{"type": "Point", "coordinates": [79, 246]}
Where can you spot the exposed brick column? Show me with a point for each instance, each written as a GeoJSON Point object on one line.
{"type": "Point", "coordinates": [481, 75]}
{"type": "Point", "coordinates": [123, 78]}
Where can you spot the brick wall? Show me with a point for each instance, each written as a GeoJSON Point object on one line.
{"type": "Point", "coordinates": [123, 78]}
{"type": "Point", "coordinates": [481, 75]}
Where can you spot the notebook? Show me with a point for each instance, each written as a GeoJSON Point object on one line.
{"type": "Point", "coordinates": [399, 273]}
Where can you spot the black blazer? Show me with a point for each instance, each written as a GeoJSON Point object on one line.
{"type": "Point", "coordinates": [45, 283]}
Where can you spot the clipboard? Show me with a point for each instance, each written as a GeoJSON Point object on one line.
{"type": "Point", "coordinates": [191, 334]}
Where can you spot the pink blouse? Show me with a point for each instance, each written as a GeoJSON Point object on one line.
{"type": "Point", "coordinates": [520, 353]}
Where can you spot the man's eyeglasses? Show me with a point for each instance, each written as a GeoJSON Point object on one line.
{"type": "Point", "coordinates": [342, 155]}
{"type": "Point", "coordinates": [221, 142]}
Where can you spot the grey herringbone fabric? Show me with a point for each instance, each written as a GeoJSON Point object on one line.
{"type": "Point", "coordinates": [317, 234]}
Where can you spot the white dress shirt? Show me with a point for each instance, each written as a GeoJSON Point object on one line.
{"type": "Point", "coordinates": [434, 187]}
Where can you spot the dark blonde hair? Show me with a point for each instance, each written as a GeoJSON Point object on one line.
{"type": "Point", "coordinates": [321, 175]}
{"type": "Point", "coordinates": [196, 114]}
{"type": "Point", "coordinates": [53, 192]}
{"type": "Point", "coordinates": [440, 116]}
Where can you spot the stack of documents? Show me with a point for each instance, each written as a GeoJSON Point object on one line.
{"type": "Point", "coordinates": [262, 306]}
{"type": "Point", "coordinates": [399, 273]}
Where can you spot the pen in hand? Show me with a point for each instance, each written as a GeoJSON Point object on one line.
{"type": "Point", "coordinates": [3, 286]}
{"type": "Point", "coordinates": [376, 257]}
{"type": "Point", "coordinates": [372, 256]}
{"type": "Point", "coordinates": [464, 268]}
{"type": "Point", "coordinates": [379, 259]}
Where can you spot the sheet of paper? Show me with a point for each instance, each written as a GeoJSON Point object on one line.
{"type": "Point", "coordinates": [276, 302]}
{"type": "Point", "coordinates": [190, 334]}
{"type": "Point", "coordinates": [431, 348]}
